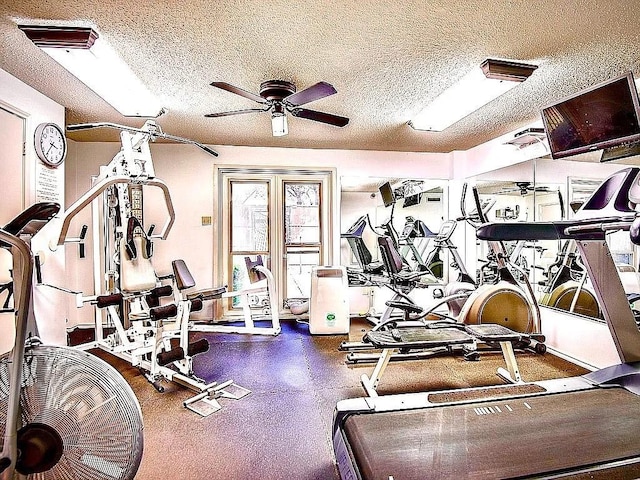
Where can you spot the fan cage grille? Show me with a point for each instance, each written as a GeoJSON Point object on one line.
{"type": "Point", "coordinates": [88, 403]}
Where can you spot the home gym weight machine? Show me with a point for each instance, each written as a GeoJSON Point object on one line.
{"type": "Point", "coordinates": [64, 413]}
{"type": "Point", "coordinates": [126, 286]}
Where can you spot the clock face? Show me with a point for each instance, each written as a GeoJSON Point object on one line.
{"type": "Point", "coordinates": [51, 144]}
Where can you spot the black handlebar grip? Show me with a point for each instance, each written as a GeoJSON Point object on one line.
{"type": "Point", "coordinates": [208, 150]}
{"type": "Point", "coordinates": [4, 463]}
{"type": "Point", "coordinates": [71, 128]}
{"type": "Point", "coordinates": [166, 311]}
{"type": "Point", "coordinates": [108, 300]}
{"type": "Point", "coordinates": [196, 304]}
{"type": "Point", "coordinates": [163, 291]}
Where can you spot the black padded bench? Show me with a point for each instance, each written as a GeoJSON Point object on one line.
{"type": "Point", "coordinates": [420, 338]}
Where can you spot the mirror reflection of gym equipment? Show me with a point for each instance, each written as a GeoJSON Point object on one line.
{"type": "Point", "coordinates": [476, 313]}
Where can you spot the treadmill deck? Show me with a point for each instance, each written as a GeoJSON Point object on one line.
{"type": "Point", "coordinates": [503, 438]}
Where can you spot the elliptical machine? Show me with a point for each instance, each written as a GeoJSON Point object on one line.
{"type": "Point", "coordinates": [405, 242]}
{"type": "Point", "coordinates": [506, 303]}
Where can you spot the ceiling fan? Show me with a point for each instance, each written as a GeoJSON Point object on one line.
{"type": "Point", "coordinates": [279, 97]}
{"type": "Point", "coordinates": [526, 187]}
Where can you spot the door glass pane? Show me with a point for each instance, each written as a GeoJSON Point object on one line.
{"type": "Point", "coordinates": [241, 280]}
{"type": "Point", "coordinates": [302, 213]}
{"type": "Point", "coordinates": [299, 265]}
{"type": "Point", "coordinates": [249, 217]}
{"type": "Point", "coordinates": [302, 236]}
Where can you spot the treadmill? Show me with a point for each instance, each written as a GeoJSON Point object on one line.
{"type": "Point", "coordinates": [585, 427]}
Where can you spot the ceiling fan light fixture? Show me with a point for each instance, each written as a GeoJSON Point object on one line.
{"type": "Point", "coordinates": [479, 87]}
{"type": "Point", "coordinates": [89, 58]}
{"type": "Point", "coordinates": [279, 126]}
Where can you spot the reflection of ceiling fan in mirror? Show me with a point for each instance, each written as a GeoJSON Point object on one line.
{"type": "Point", "coordinates": [529, 136]}
{"type": "Point", "coordinates": [279, 97]}
{"type": "Point", "coordinates": [525, 188]}
{"type": "Point", "coordinates": [528, 187]}
{"type": "Point", "coordinates": [512, 188]}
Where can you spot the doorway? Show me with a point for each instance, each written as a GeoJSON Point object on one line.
{"type": "Point", "coordinates": [283, 216]}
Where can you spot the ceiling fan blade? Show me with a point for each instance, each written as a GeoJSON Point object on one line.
{"type": "Point", "coordinates": [311, 94]}
{"type": "Point", "coordinates": [235, 112]}
{"type": "Point", "coordinates": [238, 91]}
{"type": "Point", "coordinates": [320, 116]}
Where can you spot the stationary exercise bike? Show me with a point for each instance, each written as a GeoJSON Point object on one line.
{"type": "Point", "coordinates": [64, 413]}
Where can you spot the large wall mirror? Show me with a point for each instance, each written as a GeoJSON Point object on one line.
{"type": "Point", "coordinates": [544, 189]}
{"type": "Point", "coordinates": [417, 207]}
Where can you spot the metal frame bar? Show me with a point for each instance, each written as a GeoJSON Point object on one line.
{"type": "Point", "coordinates": [23, 275]}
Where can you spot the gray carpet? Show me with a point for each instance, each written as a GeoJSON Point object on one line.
{"type": "Point", "coordinates": [282, 430]}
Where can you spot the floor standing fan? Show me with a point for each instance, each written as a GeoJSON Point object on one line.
{"type": "Point", "coordinates": [79, 417]}
{"type": "Point", "coordinates": [63, 413]}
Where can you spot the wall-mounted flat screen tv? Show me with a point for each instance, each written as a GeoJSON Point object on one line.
{"type": "Point", "coordinates": [599, 117]}
{"type": "Point", "coordinates": [386, 192]}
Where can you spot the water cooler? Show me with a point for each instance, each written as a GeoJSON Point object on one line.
{"type": "Point", "coordinates": [329, 303]}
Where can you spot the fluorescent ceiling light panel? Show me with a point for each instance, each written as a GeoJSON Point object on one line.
{"type": "Point", "coordinates": [477, 88]}
{"type": "Point", "coordinates": [91, 59]}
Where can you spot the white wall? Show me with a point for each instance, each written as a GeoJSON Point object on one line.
{"type": "Point", "coordinates": [50, 306]}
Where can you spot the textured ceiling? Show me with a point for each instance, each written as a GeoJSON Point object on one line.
{"type": "Point", "coordinates": [387, 59]}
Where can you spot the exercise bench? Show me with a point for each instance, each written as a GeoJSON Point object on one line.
{"type": "Point", "coordinates": [446, 338]}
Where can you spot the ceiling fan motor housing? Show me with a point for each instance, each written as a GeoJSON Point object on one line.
{"type": "Point", "coordinates": [276, 90]}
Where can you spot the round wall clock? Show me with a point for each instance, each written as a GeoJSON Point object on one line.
{"type": "Point", "coordinates": [51, 144]}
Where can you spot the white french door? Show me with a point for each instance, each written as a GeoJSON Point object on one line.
{"type": "Point", "coordinates": [284, 216]}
